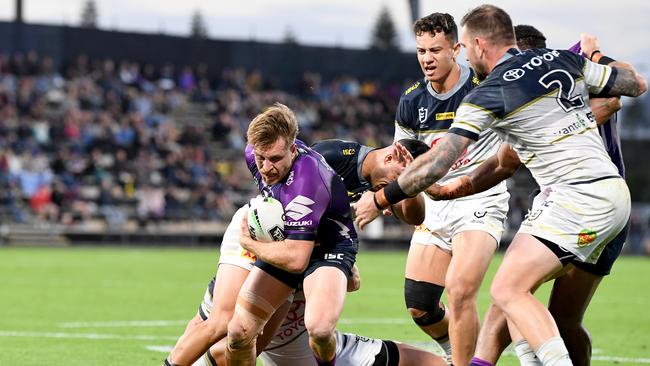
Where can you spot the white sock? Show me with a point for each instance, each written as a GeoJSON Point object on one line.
{"type": "Point", "coordinates": [526, 354]}
{"type": "Point", "coordinates": [554, 353]}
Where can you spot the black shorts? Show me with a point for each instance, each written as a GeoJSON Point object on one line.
{"type": "Point", "coordinates": [603, 265]}
{"type": "Point", "coordinates": [290, 279]}
{"type": "Point", "coordinates": [388, 355]}
{"type": "Point", "coordinates": [341, 257]}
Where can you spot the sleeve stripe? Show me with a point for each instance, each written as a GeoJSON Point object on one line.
{"type": "Point", "coordinates": [479, 108]}
{"type": "Point", "coordinates": [465, 133]}
{"type": "Point", "coordinates": [602, 78]}
{"type": "Point", "coordinates": [610, 82]}
{"type": "Point", "coordinates": [470, 125]}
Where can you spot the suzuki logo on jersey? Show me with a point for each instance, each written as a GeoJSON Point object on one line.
{"type": "Point", "coordinates": [297, 208]}
{"type": "Point", "coordinates": [513, 74]}
{"type": "Point", "coordinates": [423, 113]}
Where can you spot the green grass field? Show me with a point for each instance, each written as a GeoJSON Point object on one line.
{"type": "Point", "coordinates": [122, 306]}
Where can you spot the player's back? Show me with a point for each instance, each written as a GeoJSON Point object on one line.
{"type": "Point", "coordinates": [346, 158]}
{"type": "Point", "coordinates": [537, 101]}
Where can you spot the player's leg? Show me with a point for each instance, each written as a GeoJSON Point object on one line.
{"type": "Point", "coordinates": [493, 338]}
{"type": "Point", "coordinates": [568, 303]}
{"type": "Point", "coordinates": [473, 251]}
{"type": "Point", "coordinates": [261, 294]}
{"type": "Point", "coordinates": [414, 356]}
{"type": "Point", "coordinates": [325, 290]}
{"type": "Point", "coordinates": [572, 293]}
{"type": "Point", "coordinates": [426, 267]}
{"type": "Point", "coordinates": [528, 262]}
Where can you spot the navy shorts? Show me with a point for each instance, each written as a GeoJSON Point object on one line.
{"type": "Point", "coordinates": [603, 265]}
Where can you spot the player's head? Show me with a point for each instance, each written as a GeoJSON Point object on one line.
{"type": "Point", "coordinates": [486, 30]}
{"type": "Point", "coordinates": [436, 40]}
{"type": "Point", "coordinates": [393, 159]}
{"type": "Point", "coordinates": [273, 134]}
{"type": "Point", "coordinates": [529, 37]}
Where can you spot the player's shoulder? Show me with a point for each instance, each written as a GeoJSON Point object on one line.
{"type": "Point", "coordinates": [414, 91]}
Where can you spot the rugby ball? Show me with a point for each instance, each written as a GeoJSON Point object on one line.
{"type": "Point", "coordinates": [266, 219]}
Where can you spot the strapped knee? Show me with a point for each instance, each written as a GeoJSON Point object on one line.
{"type": "Point", "coordinates": [252, 311]}
{"type": "Point", "coordinates": [424, 296]}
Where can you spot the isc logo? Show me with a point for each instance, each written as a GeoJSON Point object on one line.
{"type": "Point", "coordinates": [338, 256]}
{"type": "Point", "coordinates": [349, 152]}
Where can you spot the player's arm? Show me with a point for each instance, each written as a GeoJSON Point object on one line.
{"type": "Point", "coordinates": [626, 81]}
{"type": "Point", "coordinates": [419, 175]}
{"type": "Point", "coordinates": [604, 108]}
{"type": "Point", "coordinates": [410, 211]}
{"type": "Point", "coordinates": [289, 255]}
{"type": "Point", "coordinates": [494, 170]}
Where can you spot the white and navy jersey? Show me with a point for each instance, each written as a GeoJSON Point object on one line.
{"type": "Point", "coordinates": [346, 158]}
{"type": "Point", "coordinates": [609, 133]}
{"type": "Point", "coordinates": [426, 115]}
{"type": "Point", "coordinates": [537, 101]}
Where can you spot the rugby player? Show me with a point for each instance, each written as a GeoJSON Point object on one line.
{"type": "Point", "coordinates": [571, 293]}
{"type": "Point", "coordinates": [536, 101]}
{"type": "Point", "coordinates": [453, 247]}
{"type": "Point", "coordinates": [361, 168]}
{"type": "Point", "coordinates": [290, 345]}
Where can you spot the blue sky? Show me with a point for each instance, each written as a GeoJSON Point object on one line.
{"type": "Point", "coordinates": [623, 30]}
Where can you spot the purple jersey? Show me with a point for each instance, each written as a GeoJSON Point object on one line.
{"type": "Point", "coordinates": [608, 130]}
{"type": "Point", "coordinates": [315, 201]}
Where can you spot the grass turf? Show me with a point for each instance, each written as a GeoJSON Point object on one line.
{"type": "Point", "coordinates": [93, 306]}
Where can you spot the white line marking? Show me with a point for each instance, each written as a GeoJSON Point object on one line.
{"type": "Point", "coordinates": [8, 333]}
{"type": "Point", "coordinates": [161, 349]}
{"type": "Point", "coordinates": [125, 324]}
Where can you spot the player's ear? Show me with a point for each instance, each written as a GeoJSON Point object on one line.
{"type": "Point", "coordinates": [456, 50]}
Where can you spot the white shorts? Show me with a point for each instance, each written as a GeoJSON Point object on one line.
{"type": "Point", "coordinates": [231, 250]}
{"type": "Point", "coordinates": [351, 349]}
{"type": "Point", "coordinates": [581, 218]}
{"type": "Point", "coordinates": [444, 219]}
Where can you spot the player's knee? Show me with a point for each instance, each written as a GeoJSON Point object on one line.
{"type": "Point", "coordinates": [321, 332]}
{"type": "Point", "coordinates": [423, 302]}
{"type": "Point", "coordinates": [501, 295]}
{"type": "Point", "coordinates": [240, 335]}
{"type": "Point", "coordinates": [460, 291]}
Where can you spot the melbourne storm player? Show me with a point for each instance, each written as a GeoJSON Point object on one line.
{"type": "Point", "coordinates": [317, 211]}
{"type": "Point", "coordinates": [361, 168]}
{"type": "Point", "coordinates": [453, 247]}
{"type": "Point", "coordinates": [537, 101]}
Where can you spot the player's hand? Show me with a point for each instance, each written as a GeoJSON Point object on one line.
{"type": "Point", "coordinates": [365, 210]}
{"type": "Point", "coordinates": [244, 235]}
{"type": "Point", "coordinates": [403, 154]}
{"type": "Point", "coordinates": [588, 44]}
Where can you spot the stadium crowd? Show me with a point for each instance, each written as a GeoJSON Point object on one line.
{"type": "Point", "coordinates": [119, 140]}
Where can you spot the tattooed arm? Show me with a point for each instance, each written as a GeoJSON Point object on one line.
{"type": "Point", "coordinates": [433, 165]}
{"type": "Point", "coordinates": [628, 82]}
{"type": "Point", "coordinates": [497, 168]}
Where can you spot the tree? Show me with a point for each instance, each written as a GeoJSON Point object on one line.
{"type": "Point", "coordinates": [89, 15]}
{"type": "Point", "coordinates": [384, 35]}
{"type": "Point", "coordinates": [198, 28]}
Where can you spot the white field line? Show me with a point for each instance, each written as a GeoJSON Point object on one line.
{"type": "Point", "coordinates": [8, 333]}
{"type": "Point", "coordinates": [173, 323]}
{"type": "Point", "coordinates": [5, 333]}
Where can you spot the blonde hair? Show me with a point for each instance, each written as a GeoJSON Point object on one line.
{"type": "Point", "coordinates": [275, 122]}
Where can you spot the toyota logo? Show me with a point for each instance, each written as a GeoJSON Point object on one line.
{"type": "Point", "coordinates": [514, 74]}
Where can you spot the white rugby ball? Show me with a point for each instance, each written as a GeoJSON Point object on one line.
{"type": "Point", "coordinates": [266, 219]}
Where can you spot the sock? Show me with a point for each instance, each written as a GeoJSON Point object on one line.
{"type": "Point", "coordinates": [526, 354]}
{"type": "Point", "coordinates": [444, 343]}
{"type": "Point", "coordinates": [554, 353]}
{"type": "Point", "coordinates": [320, 362]}
{"type": "Point", "coordinates": [478, 362]}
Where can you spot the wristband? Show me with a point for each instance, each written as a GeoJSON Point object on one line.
{"type": "Point", "coordinates": [374, 199]}
{"type": "Point", "coordinates": [604, 60]}
{"type": "Point", "coordinates": [394, 193]}
{"type": "Point", "coordinates": [591, 57]}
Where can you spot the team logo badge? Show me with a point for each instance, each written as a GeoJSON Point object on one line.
{"type": "Point", "coordinates": [586, 237]}
{"type": "Point", "coordinates": [299, 207]}
{"type": "Point", "coordinates": [480, 214]}
{"type": "Point", "coordinates": [423, 114]}
{"type": "Point", "coordinates": [513, 74]}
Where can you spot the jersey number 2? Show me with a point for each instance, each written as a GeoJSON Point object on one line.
{"type": "Point", "coordinates": [565, 84]}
